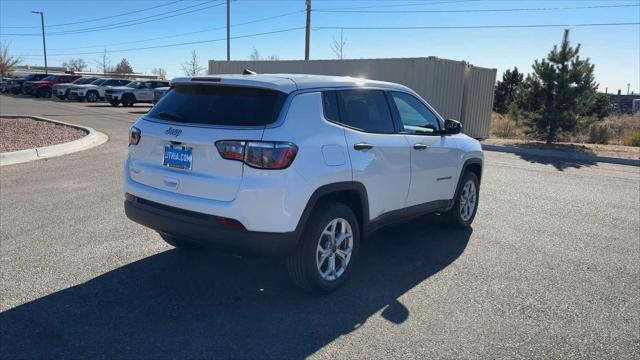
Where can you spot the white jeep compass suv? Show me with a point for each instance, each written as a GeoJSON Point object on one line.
{"type": "Point", "coordinates": [303, 166]}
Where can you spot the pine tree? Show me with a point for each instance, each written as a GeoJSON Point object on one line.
{"type": "Point", "coordinates": [560, 88]}
{"type": "Point", "coordinates": [124, 67]}
{"type": "Point", "coordinates": [507, 90]}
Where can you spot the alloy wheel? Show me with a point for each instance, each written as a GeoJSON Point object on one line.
{"type": "Point", "coordinates": [468, 200]}
{"type": "Point", "coordinates": [334, 249]}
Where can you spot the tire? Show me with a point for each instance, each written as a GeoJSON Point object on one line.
{"type": "Point", "coordinates": [305, 266]}
{"type": "Point", "coordinates": [45, 93]}
{"type": "Point", "coordinates": [128, 100]}
{"type": "Point", "coordinates": [61, 97]}
{"type": "Point", "coordinates": [464, 208]}
{"type": "Point", "coordinates": [92, 96]}
{"type": "Point", "coordinates": [114, 102]}
{"type": "Point", "coordinates": [177, 242]}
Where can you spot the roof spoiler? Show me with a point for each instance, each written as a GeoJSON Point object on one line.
{"type": "Point", "coordinates": [248, 72]}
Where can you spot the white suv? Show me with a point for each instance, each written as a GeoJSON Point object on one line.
{"type": "Point", "coordinates": [297, 165]}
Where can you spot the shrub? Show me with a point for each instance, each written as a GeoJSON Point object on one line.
{"type": "Point", "coordinates": [632, 139]}
{"type": "Point", "coordinates": [599, 134]}
{"type": "Point", "coordinates": [503, 126]}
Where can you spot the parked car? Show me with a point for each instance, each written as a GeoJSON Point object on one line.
{"type": "Point", "coordinates": [17, 84]}
{"type": "Point", "coordinates": [133, 92]}
{"type": "Point", "coordinates": [44, 87]}
{"type": "Point", "coordinates": [62, 91]}
{"type": "Point", "coordinates": [95, 91]}
{"type": "Point", "coordinates": [297, 165]}
{"type": "Point", "coordinates": [158, 93]}
{"type": "Point", "coordinates": [4, 84]}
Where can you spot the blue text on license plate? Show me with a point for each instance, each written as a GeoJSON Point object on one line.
{"type": "Point", "coordinates": [177, 157]}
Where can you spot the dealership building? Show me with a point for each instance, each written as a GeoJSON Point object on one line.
{"type": "Point", "coordinates": [456, 89]}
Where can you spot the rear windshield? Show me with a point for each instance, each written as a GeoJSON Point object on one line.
{"type": "Point", "coordinates": [220, 105]}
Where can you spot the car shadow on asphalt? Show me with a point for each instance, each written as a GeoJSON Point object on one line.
{"type": "Point", "coordinates": [190, 304]}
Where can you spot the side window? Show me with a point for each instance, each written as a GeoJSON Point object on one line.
{"type": "Point", "coordinates": [366, 110]}
{"type": "Point", "coordinates": [414, 115]}
{"type": "Point", "coordinates": [330, 106]}
{"type": "Point", "coordinates": [123, 82]}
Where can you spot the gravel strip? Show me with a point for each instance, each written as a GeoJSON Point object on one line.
{"type": "Point", "coordinates": [25, 133]}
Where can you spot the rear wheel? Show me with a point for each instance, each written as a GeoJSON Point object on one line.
{"type": "Point", "coordinates": [92, 96]}
{"type": "Point", "coordinates": [327, 249]}
{"type": "Point", "coordinates": [465, 206]}
{"type": "Point", "coordinates": [128, 100]}
{"type": "Point", "coordinates": [45, 93]}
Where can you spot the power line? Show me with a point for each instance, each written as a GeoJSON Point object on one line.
{"type": "Point", "coordinates": [127, 23]}
{"type": "Point", "coordinates": [181, 34]}
{"type": "Point", "coordinates": [469, 26]}
{"type": "Point", "coordinates": [95, 19]}
{"type": "Point", "coordinates": [395, 5]}
{"type": "Point", "coordinates": [183, 43]}
{"type": "Point", "coordinates": [477, 10]}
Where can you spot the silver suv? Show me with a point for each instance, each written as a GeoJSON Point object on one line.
{"type": "Point", "coordinates": [133, 92]}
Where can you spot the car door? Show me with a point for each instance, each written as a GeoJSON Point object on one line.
{"type": "Point", "coordinates": [145, 92]}
{"type": "Point", "coordinates": [379, 154]}
{"type": "Point", "coordinates": [434, 156]}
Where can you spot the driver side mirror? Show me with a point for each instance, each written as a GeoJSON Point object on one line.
{"type": "Point", "coordinates": [452, 127]}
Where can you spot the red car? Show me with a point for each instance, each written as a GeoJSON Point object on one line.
{"type": "Point", "coordinates": [43, 88]}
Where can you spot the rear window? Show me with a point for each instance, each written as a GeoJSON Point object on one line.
{"type": "Point", "coordinates": [220, 105]}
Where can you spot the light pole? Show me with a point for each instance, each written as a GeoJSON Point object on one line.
{"type": "Point", "coordinates": [44, 43]}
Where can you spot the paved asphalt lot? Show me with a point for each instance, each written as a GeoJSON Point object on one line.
{"type": "Point", "coordinates": [550, 270]}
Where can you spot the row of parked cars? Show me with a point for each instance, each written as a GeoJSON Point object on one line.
{"type": "Point", "coordinates": [92, 89]}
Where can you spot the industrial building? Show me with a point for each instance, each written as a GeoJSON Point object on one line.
{"type": "Point", "coordinates": [456, 89]}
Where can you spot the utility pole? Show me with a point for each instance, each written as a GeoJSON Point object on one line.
{"type": "Point", "coordinates": [44, 43]}
{"type": "Point", "coordinates": [308, 31]}
{"type": "Point", "coordinates": [228, 31]}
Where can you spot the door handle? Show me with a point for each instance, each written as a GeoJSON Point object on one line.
{"type": "Point", "coordinates": [363, 146]}
{"type": "Point", "coordinates": [419, 146]}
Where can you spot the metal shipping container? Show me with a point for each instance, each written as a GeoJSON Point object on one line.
{"type": "Point", "coordinates": [439, 81]}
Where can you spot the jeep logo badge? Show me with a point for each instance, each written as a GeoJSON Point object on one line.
{"type": "Point", "coordinates": [173, 131]}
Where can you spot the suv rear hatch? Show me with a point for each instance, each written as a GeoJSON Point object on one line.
{"type": "Point", "coordinates": [177, 143]}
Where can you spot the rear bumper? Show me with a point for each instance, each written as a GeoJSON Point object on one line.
{"type": "Point", "coordinates": [199, 229]}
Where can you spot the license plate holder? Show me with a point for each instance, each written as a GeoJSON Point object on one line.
{"type": "Point", "coordinates": [177, 156]}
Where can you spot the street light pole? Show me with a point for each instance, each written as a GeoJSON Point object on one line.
{"type": "Point", "coordinates": [228, 31]}
{"type": "Point", "coordinates": [44, 42]}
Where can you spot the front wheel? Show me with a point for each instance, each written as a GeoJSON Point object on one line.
{"type": "Point", "coordinates": [128, 100]}
{"type": "Point", "coordinates": [327, 249]}
{"type": "Point", "coordinates": [465, 206]}
{"type": "Point", "coordinates": [92, 96]}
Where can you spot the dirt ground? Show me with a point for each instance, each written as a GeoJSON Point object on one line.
{"type": "Point", "coordinates": [26, 133]}
{"type": "Point", "coordinates": [619, 151]}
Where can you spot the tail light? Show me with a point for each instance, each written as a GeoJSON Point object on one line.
{"type": "Point", "coordinates": [134, 135]}
{"type": "Point", "coordinates": [259, 154]}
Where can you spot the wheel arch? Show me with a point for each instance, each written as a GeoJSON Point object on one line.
{"type": "Point", "coordinates": [351, 193]}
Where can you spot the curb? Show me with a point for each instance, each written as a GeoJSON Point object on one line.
{"type": "Point", "coordinates": [563, 155]}
{"type": "Point", "coordinates": [93, 139]}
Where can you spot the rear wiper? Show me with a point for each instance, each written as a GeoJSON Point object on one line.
{"type": "Point", "coordinates": [171, 116]}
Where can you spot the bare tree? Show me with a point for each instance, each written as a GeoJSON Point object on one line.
{"type": "Point", "coordinates": [255, 55]}
{"type": "Point", "coordinates": [104, 63]}
{"type": "Point", "coordinates": [7, 62]}
{"type": "Point", "coordinates": [192, 67]}
{"type": "Point", "coordinates": [75, 64]}
{"type": "Point", "coordinates": [337, 46]}
{"type": "Point", "coordinates": [162, 73]}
